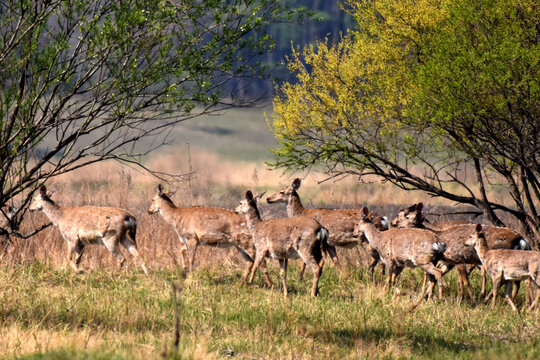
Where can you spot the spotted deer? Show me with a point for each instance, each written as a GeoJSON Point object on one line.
{"type": "Point", "coordinates": [454, 234]}
{"type": "Point", "coordinates": [504, 265]}
{"type": "Point", "coordinates": [206, 225]}
{"type": "Point", "coordinates": [296, 237]}
{"type": "Point", "coordinates": [339, 222]}
{"type": "Point", "coordinates": [400, 248]}
{"type": "Point", "coordinates": [83, 225]}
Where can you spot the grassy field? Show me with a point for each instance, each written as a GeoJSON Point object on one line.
{"type": "Point", "coordinates": [47, 311]}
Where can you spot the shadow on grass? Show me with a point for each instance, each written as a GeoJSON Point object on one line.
{"type": "Point", "coordinates": [420, 343]}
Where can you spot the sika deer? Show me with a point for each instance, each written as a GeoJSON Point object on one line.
{"type": "Point", "coordinates": [85, 225]}
{"type": "Point", "coordinates": [400, 248]}
{"type": "Point", "coordinates": [507, 265]}
{"type": "Point", "coordinates": [285, 238]}
{"type": "Point", "coordinates": [6, 216]}
{"type": "Point", "coordinates": [210, 226]}
{"type": "Point", "coordinates": [339, 222]}
{"type": "Point", "coordinates": [414, 217]}
{"type": "Point", "coordinates": [455, 235]}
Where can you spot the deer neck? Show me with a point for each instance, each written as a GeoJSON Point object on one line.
{"type": "Point", "coordinates": [373, 235]}
{"type": "Point", "coordinates": [167, 210]}
{"type": "Point", "coordinates": [253, 218]}
{"type": "Point", "coordinates": [481, 248]}
{"type": "Point", "coordinates": [294, 205]}
{"type": "Point", "coordinates": [53, 211]}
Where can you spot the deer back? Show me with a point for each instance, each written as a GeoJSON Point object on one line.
{"type": "Point", "coordinates": [459, 253]}
{"type": "Point", "coordinates": [282, 237]}
{"type": "Point", "coordinates": [89, 223]}
{"type": "Point", "coordinates": [209, 224]}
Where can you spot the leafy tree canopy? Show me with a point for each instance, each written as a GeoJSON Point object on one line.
{"type": "Point", "coordinates": [83, 81]}
{"type": "Point", "coordinates": [422, 94]}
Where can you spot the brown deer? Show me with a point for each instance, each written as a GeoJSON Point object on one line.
{"type": "Point", "coordinates": [6, 216]}
{"type": "Point", "coordinates": [454, 234]}
{"type": "Point", "coordinates": [285, 238]}
{"type": "Point", "coordinates": [339, 222]}
{"type": "Point", "coordinates": [205, 225]}
{"type": "Point", "coordinates": [413, 216]}
{"type": "Point", "coordinates": [400, 248]}
{"type": "Point", "coordinates": [84, 225]}
{"type": "Point", "coordinates": [507, 266]}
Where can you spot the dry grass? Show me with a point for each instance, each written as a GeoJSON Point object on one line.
{"type": "Point", "coordinates": [49, 311]}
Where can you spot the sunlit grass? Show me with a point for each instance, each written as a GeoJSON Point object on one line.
{"type": "Point", "coordinates": [56, 313]}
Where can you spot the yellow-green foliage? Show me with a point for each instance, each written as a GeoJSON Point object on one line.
{"type": "Point", "coordinates": [362, 79]}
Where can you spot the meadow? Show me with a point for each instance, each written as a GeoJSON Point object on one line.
{"type": "Point", "coordinates": [48, 311]}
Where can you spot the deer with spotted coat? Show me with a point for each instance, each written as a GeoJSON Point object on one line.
{"type": "Point", "coordinates": [206, 225]}
{"type": "Point", "coordinates": [83, 225]}
{"type": "Point", "coordinates": [454, 234]}
{"type": "Point", "coordinates": [400, 248]}
{"type": "Point", "coordinates": [339, 222]}
{"type": "Point", "coordinates": [285, 238]}
{"type": "Point", "coordinates": [507, 266]}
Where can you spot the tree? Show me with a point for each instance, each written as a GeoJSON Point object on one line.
{"type": "Point", "coordinates": [423, 94]}
{"type": "Point", "coordinates": [84, 81]}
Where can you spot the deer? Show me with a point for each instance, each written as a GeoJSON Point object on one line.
{"type": "Point", "coordinates": [339, 222]}
{"type": "Point", "coordinates": [83, 225]}
{"type": "Point", "coordinates": [297, 237]}
{"type": "Point", "coordinates": [454, 234]}
{"type": "Point", "coordinates": [6, 217]}
{"type": "Point", "coordinates": [508, 266]}
{"type": "Point", "coordinates": [400, 248]}
{"type": "Point", "coordinates": [206, 225]}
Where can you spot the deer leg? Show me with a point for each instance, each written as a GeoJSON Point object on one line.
{"type": "Point", "coordinates": [249, 263]}
{"type": "Point", "coordinates": [508, 285]}
{"type": "Point", "coordinates": [371, 268]}
{"type": "Point", "coordinates": [497, 282]}
{"type": "Point", "coordinates": [436, 275]}
{"type": "Point", "coordinates": [183, 251]}
{"type": "Point", "coordinates": [463, 282]}
{"type": "Point", "coordinates": [265, 273]}
{"type": "Point", "coordinates": [432, 280]}
{"type": "Point", "coordinates": [112, 245]}
{"type": "Point", "coordinates": [193, 253]}
{"type": "Point", "coordinates": [484, 281]}
{"type": "Point", "coordinates": [74, 248]}
{"type": "Point", "coordinates": [390, 267]}
{"type": "Point", "coordinates": [259, 257]}
{"type": "Point", "coordinates": [515, 290]}
{"type": "Point", "coordinates": [394, 274]}
{"type": "Point", "coordinates": [535, 302]}
{"type": "Point", "coordinates": [283, 274]}
{"type": "Point", "coordinates": [302, 269]}
{"type": "Point", "coordinates": [316, 268]}
{"type": "Point", "coordinates": [131, 246]}
{"type": "Point", "coordinates": [529, 293]}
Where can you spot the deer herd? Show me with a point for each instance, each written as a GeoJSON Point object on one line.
{"type": "Point", "coordinates": [409, 240]}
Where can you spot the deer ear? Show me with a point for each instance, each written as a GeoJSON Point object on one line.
{"type": "Point", "coordinates": [172, 192]}
{"type": "Point", "coordinates": [249, 195]}
{"type": "Point", "coordinates": [365, 212]}
{"type": "Point", "coordinates": [160, 189]}
{"type": "Point", "coordinates": [411, 208]}
{"type": "Point", "coordinates": [296, 184]}
{"type": "Point", "coordinates": [43, 190]}
{"type": "Point", "coordinates": [479, 228]}
{"type": "Point", "coordinates": [51, 192]}
{"type": "Point", "coordinates": [419, 206]}
{"type": "Point", "coordinates": [259, 197]}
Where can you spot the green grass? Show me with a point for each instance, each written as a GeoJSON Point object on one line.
{"type": "Point", "coordinates": [236, 134]}
{"type": "Point", "coordinates": [49, 313]}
